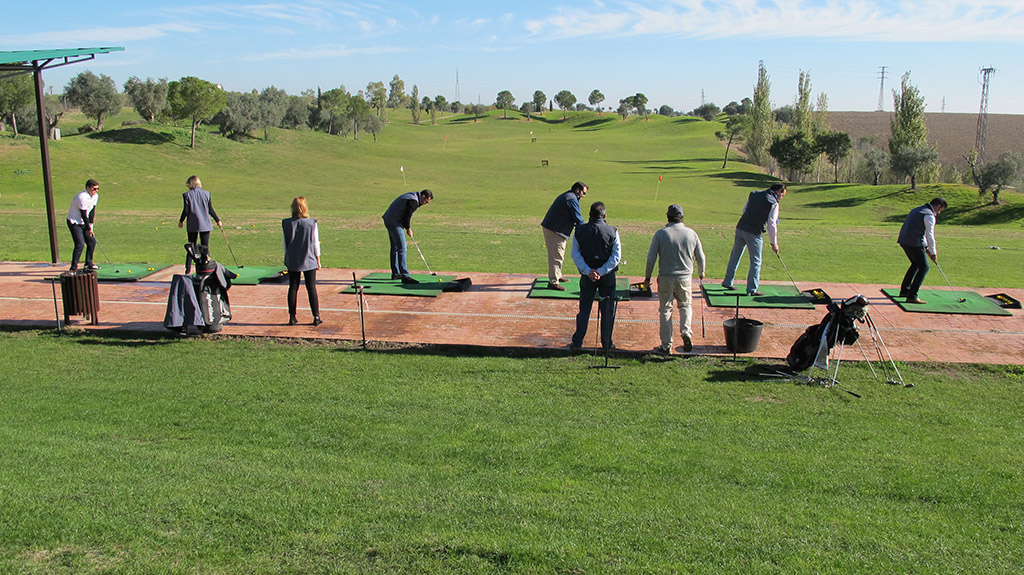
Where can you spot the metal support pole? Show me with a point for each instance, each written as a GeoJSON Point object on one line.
{"type": "Point", "coordinates": [44, 151]}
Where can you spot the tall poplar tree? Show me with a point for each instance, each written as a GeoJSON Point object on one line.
{"type": "Point", "coordinates": [908, 144]}
{"type": "Point", "coordinates": [762, 125]}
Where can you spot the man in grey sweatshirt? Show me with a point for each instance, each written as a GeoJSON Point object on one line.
{"type": "Point", "coordinates": [678, 248]}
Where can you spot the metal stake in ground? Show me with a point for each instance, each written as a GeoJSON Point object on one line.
{"type": "Point", "coordinates": [362, 322]}
{"type": "Point", "coordinates": [703, 304]}
{"type": "Point", "coordinates": [229, 248]}
{"type": "Point", "coordinates": [958, 298]}
{"type": "Point", "coordinates": [116, 271]}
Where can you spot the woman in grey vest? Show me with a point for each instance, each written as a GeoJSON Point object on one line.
{"type": "Point", "coordinates": [301, 257]}
{"type": "Point", "coordinates": [198, 211]}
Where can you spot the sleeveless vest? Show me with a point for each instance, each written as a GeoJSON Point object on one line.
{"type": "Point", "coordinates": [299, 255]}
{"type": "Point", "coordinates": [755, 217]}
{"type": "Point", "coordinates": [912, 232]}
{"type": "Point", "coordinates": [596, 238]}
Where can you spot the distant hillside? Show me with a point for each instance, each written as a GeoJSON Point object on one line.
{"type": "Point", "coordinates": [954, 134]}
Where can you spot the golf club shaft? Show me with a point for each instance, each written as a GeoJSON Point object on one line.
{"type": "Point", "coordinates": [104, 253]}
{"type": "Point", "coordinates": [417, 244]}
{"type": "Point", "coordinates": [222, 233]}
{"type": "Point", "coordinates": [956, 295]}
{"type": "Point", "coordinates": [703, 333]}
{"type": "Point", "coordinates": [778, 255]}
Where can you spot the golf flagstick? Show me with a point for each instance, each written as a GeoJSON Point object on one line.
{"type": "Point", "coordinates": [229, 247]}
{"type": "Point", "coordinates": [703, 304]}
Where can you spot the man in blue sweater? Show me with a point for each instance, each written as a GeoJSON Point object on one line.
{"type": "Point", "coordinates": [563, 215]}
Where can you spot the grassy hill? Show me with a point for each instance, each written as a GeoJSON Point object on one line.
{"type": "Point", "coordinates": [492, 191]}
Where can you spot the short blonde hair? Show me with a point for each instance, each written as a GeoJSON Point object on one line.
{"type": "Point", "coordinates": [193, 182]}
{"type": "Point", "coordinates": [299, 208]}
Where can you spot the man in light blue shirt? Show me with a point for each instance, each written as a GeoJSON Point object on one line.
{"type": "Point", "coordinates": [596, 251]}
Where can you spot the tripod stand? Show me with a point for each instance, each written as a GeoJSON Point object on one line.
{"type": "Point", "coordinates": [607, 350]}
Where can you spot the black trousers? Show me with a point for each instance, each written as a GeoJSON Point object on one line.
{"type": "Point", "coordinates": [606, 288]}
{"type": "Point", "coordinates": [83, 242]}
{"type": "Point", "coordinates": [204, 239]}
{"type": "Point", "coordinates": [293, 292]}
{"type": "Point", "coordinates": [915, 273]}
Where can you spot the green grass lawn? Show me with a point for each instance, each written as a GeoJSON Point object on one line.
{"type": "Point", "coordinates": [492, 191]}
{"type": "Point", "coordinates": [231, 456]}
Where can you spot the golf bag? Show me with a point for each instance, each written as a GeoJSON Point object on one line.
{"type": "Point", "coordinates": [814, 345]}
{"type": "Point", "coordinates": [210, 285]}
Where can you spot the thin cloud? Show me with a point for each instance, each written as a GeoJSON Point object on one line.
{"type": "Point", "coordinates": [323, 52]}
{"type": "Point", "coordinates": [857, 20]}
{"type": "Point", "coordinates": [95, 36]}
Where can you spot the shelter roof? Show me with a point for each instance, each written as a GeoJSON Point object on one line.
{"type": "Point", "coordinates": [25, 60]}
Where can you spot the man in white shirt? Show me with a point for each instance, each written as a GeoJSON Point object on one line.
{"type": "Point", "coordinates": [81, 216]}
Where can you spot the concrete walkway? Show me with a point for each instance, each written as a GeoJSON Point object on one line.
{"type": "Point", "coordinates": [496, 313]}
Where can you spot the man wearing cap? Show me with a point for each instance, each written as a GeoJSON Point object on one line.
{"type": "Point", "coordinates": [760, 215]}
{"type": "Point", "coordinates": [676, 248]}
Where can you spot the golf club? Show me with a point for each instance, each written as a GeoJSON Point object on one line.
{"type": "Point", "coordinates": [417, 244]}
{"type": "Point", "coordinates": [229, 248]}
{"type": "Point", "coordinates": [787, 271]}
{"type": "Point", "coordinates": [958, 298]}
{"type": "Point", "coordinates": [116, 271]}
{"type": "Point", "coordinates": [703, 333]}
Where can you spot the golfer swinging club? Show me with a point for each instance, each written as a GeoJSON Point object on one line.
{"type": "Point", "coordinates": [760, 214]}
{"type": "Point", "coordinates": [917, 238]}
{"type": "Point", "coordinates": [398, 221]}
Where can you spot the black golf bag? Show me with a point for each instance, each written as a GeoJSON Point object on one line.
{"type": "Point", "coordinates": [212, 281]}
{"type": "Point", "coordinates": [839, 326]}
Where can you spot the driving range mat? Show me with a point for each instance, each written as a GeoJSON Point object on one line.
{"type": "Point", "coordinates": [944, 301]}
{"type": "Point", "coordinates": [380, 283]}
{"type": "Point", "coordinates": [778, 296]}
{"type": "Point", "coordinates": [540, 289]}
{"type": "Point", "coordinates": [129, 272]}
{"type": "Point", "coordinates": [252, 275]}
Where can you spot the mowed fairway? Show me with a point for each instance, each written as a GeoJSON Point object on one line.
{"type": "Point", "coordinates": [492, 191]}
{"type": "Point", "coordinates": [229, 456]}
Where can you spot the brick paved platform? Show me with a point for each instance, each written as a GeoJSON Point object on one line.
{"type": "Point", "coordinates": [496, 313]}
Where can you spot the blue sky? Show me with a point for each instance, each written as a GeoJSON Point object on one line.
{"type": "Point", "coordinates": [672, 51]}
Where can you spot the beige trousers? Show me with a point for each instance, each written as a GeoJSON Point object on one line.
{"type": "Point", "coordinates": [674, 289]}
{"type": "Point", "coordinates": [556, 253]}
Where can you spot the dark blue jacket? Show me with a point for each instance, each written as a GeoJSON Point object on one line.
{"type": "Point", "coordinates": [564, 214]}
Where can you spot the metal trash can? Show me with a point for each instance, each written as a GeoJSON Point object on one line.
{"type": "Point", "coordinates": [81, 295]}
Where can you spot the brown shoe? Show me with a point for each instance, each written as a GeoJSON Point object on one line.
{"type": "Point", "coordinates": [915, 299]}
{"type": "Point", "coordinates": [555, 286]}
{"type": "Point", "coordinates": [563, 280]}
{"type": "Point", "coordinates": [687, 344]}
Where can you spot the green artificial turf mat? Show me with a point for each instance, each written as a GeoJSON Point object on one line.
{"type": "Point", "coordinates": [380, 283]}
{"type": "Point", "coordinates": [945, 301]}
{"type": "Point", "coordinates": [252, 275]}
{"type": "Point", "coordinates": [127, 272]}
{"type": "Point", "coordinates": [540, 288]}
{"type": "Point", "coordinates": [784, 296]}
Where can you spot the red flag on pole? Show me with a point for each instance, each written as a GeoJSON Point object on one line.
{"type": "Point", "coordinates": [659, 178]}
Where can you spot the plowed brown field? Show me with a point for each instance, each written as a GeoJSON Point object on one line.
{"type": "Point", "coordinates": [953, 134]}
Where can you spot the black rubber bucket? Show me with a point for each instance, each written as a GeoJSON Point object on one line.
{"type": "Point", "coordinates": [744, 337]}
